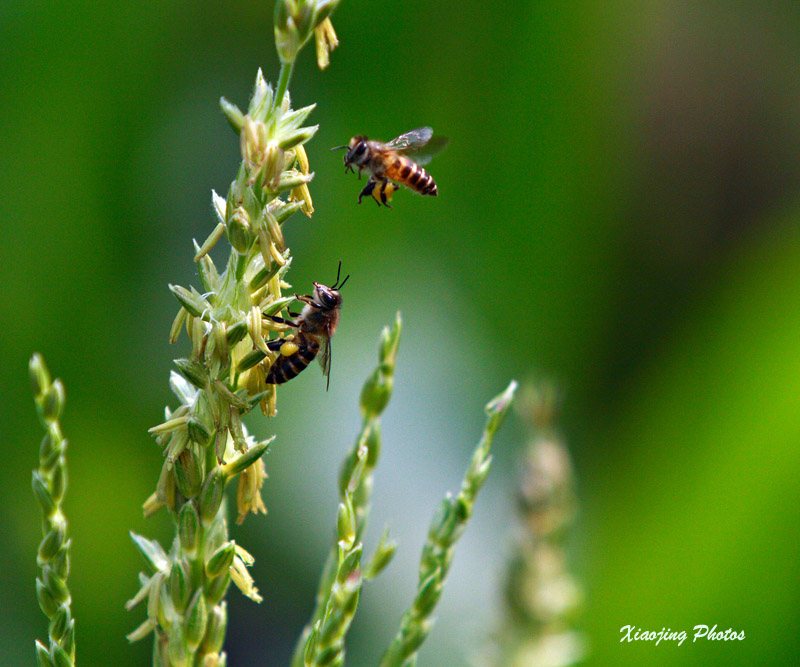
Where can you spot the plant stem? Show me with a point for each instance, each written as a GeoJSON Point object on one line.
{"type": "Point", "coordinates": [283, 83]}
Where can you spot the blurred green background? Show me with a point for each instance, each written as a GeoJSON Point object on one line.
{"type": "Point", "coordinates": [618, 210]}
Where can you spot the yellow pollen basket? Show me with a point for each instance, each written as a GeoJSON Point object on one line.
{"type": "Point", "coordinates": [289, 348]}
{"type": "Point", "coordinates": [391, 188]}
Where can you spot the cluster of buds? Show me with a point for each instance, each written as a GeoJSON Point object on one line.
{"type": "Point", "coordinates": [271, 138]}
{"type": "Point", "coordinates": [204, 441]}
{"type": "Point", "coordinates": [49, 486]}
{"type": "Point", "coordinates": [543, 600]}
{"type": "Point", "coordinates": [447, 527]}
{"type": "Point", "coordinates": [297, 20]}
{"type": "Point", "coordinates": [322, 641]}
{"type": "Point", "coordinates": [185, 588]}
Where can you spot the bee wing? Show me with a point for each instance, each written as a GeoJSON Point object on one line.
{"type": "Point", "coordinates": [413, 140]}
{"type": "Point", "coordinates": [430, 150]}
{"type": "Point", "coordinates": [420, 143]}
{"type": "Point", "coordinates": [325, 358]}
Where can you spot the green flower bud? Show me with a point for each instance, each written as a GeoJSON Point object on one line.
{"type": "Point", "coordinates": [177, 443]}
{"type": "Point", "coordinates": [177, 325]}
{"type": "Point", "coordinates": [191, 300]}
{"type": "Point", "coordinates": [416, 636]}
{"type": "Point", "coordinates": [59, 482]}
{"type": "Point", "coordinates": [43, 656]}
{"type": "Point", "coordinates": [373, 444]}
{"type": "Point", "coordinates": [207, 272]}
{"type": "Point", "coordinates": [292, 179]}
{"type": "Point", "coordinates": [188, 473]}
{"type": "Point", "coordinates": [310, 647]}
{"type": "Point", "coordinates": [261, 102]}
{"type": "Point", "coordinates": [443, 522]}
{"type": "Point", "coordinates": [59, 624]}
{"type": "Point", "coordinates": [68, 643]}
{"type": "Point", "coordinates": [215, 629]}
{"type": "Point", "coordinates": [329, 657]}
{"type": "Point", "coordinates": [152, 552]}
{"type": "Point", "coordinates": [376, 393]}
{"type": "Point", "coordinates": [500, 404]}
{"type": "Point", "coordinates": [193, 371]}
{"type": "Point", "coordinates": [40, 376]}
{"type": "Point", "coordinates": [251, 359]}
{"type": "Point", "coordinates": [292, 120]}
{"type": "Point", "coordinates": [382, 557]}
{"type": "Point", "coordinates": [277, 305]}
{"type": "Point", "coordinates": [176, 647]}
{"type": "Point", "coordinates": [47, 602]}
{"type": "Point", "coordinates": [51, 543]}
{"type": "Point", "coordinates": [43, 496]}
{"type": "Point", "coordinates": [165, 491]}
{"type": "Point", "coordinates": [61, 658]}
{"type": "Point", "coordinates": [350, 564]}
{"type": "Point", "coordinates": [195, 621]}
{"type": "Point", "coordinates": [221, 560]}
{"type": "Point", "coordinates": [390, 341]}
{"type": "Point", "coordinates": [49, 450]}
{"type": "Point", "coordinates": [217, 587]}
{"type": "Point", "coordinates": [289, 140]}
{"type": "Point", "coordinates": [285, 209]}
{"type": "Point", "coordinates": [331, 630]}
{"type": "Point", "coordinates": [287, 38]}
{"type": "Point", "coordinates": [248, 458]}
{"type": "Point", "coordinates": [239, 232]}
{"type": "Point", "coordinates": [60, 563]}
{"type": "Point", "coordinates": [188, 527]}
{"type": "Point", "coordinates": [230, 398]}
{"type": "Point", "coordinates": [428, 595]}
{"type": "Point", "coordinates": [53, 404]}
{"type": "Point", "coordinates": [198, 432]}
{"type": "Point", "coordinates": [346, 524]}
{"type": "Point", "coordinates": [179, 582]}
{"type": "Point", "coordinates": [233, 114]}
{"type": "Point", "coordinates": [237, 332]}
{"type": "Point", "coordinates": [212, 494]}
{"type": "Point", "coordinates": [55, 585]}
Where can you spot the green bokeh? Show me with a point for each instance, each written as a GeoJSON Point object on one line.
{"type": "Point", "coordinates": [618, 209]}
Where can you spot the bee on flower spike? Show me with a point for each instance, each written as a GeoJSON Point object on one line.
{"type": "Point", "coordinates": [315, 327]}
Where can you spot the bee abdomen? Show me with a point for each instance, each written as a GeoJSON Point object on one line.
{"type": "Point", "coordinates": [409, 173]}
{"type": "Point", "coordinates": [287, 367]}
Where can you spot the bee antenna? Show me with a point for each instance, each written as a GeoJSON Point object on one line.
{"type": "Point", "coordinates": [338, 274]}
{"type": "Point", "coordinates": [338, 148]}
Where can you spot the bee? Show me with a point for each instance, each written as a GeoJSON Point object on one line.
{"type": "Point", "coordinates": [388, 164]}
{"type": "Point", "coordinates": [315, 327]}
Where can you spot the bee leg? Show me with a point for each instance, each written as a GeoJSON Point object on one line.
{"type": "Point", "coordinates": [281, 320]}
{"type": "Point", "coordinates": [276, 344]}
{"type": "Point", "coordinates": [383, 193]}
{"type": "Point", "coordinates": [367, 191]}
{"type": "Point", "coordinates": [293, 314]}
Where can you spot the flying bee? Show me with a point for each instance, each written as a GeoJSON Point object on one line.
{"type": "Point", "coordinates": [315, 327]}
{"type": "Point", "coordinates": [388, 164]}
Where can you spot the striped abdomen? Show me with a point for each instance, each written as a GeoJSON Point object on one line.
{"type": "Point", "coordinates": [287, 367]}
{"type": "Point", "coordinates": [407, 172]}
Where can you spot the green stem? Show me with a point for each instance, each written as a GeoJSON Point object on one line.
{"type": "Point", "coordinates": [283, 84]}
{"type": "Point", "coordinates": [241, 266]}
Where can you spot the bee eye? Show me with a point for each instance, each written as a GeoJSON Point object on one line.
{"type": "Point", "coordinates": [359, 150]}
{"type": "Point", "coordinates": [327, 299]}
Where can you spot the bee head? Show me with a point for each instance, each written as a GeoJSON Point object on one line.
{"type": "Point", "coordinates": [357, 152]}
{"type": "Point", "coordinates": [329, 297]}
